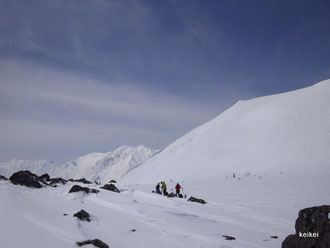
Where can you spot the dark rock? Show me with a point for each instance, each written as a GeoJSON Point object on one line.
{"type": "Point", "coordinates": [193, 199]}
{"type": "Point", "coordinates": [82, 215]}
{"type": "Point", "coordinates": [228, 237]}
{"type": "Point", "coordinates": [77, 188]}
{"type": "Point", "coordinates": [3, 178]}
{"type": "Point", "coordinates": [312, 229]}
{"type": "Point", "coordinates": [25, 178]}
{"type": "Point", "coordinates": [274, 237]}
{"type": "Point", "coordinates": [133, 230]}
{"type": "Point", "coordinates": [113, 181]}
{"type": "Point", "coordinates": [54, 181]}
{"type": "Point", "coordinates": [82, 180]}
{"type": "Point", "coordinates": [110, 187]}
{"type": "Point", "coordinates": [96, 242]}
{"type": "Point", "coordinates": [44, 177]}
{"type": "Point", "coordinates": [65, 214]}
{"type": "Point", "coordinates": [290, 242]}
{"type": "Point", "coordinates": [171, 195]}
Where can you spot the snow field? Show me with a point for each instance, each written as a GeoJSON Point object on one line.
{"type": "Point", "coordinates": [250, 209]}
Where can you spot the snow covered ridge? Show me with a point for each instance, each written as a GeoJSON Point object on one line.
{"type": "Point", "coordinates": [288, 132]}
{"type": "Point", "coordinates": [94, 166]}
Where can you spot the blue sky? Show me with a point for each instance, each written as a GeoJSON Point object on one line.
{"type": "Point", "coordinates": [91, 75]}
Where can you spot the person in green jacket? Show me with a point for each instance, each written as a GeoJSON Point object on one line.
{"type": "Point", "coordinates": [164, 188]}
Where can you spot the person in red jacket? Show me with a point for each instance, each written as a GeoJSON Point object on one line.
{"type": "Point", "coordinates": [177, 188]}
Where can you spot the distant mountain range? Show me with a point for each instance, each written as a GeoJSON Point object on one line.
{"type": "Point", "coordinates": [94, 166]}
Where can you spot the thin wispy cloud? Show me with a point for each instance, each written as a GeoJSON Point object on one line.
{"type": "Point", "coordinates": [90, 76]}
{"type": "Point", "coordinates": [35, 98]}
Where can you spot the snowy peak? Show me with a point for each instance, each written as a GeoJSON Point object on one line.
{"type": "Point", "coordinates": [284, 132]}
{"type": "Point", "coordinates": [105, 166]}
{"type": "Point", "coordinates": [93, 166]}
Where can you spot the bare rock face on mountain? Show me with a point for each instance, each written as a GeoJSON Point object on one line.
{"type": "Point", "coordinates": [312, 229]}
{"type": "Point", "coordinates": [110, 187]}
{"type": "Point", "coordinates": [26, 178]}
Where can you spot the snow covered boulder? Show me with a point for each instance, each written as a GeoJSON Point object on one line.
{"type": "Point", "coordinates": [96, 242]}
{"type": "Point", "coordinates": [3, 178]}
{"type": "Point", "coordinates": [25, 178]}
{"type": "Point", "coordinates": [77, 188]}
{"type": "Point", "coordinates": [110, 187]}
{"type": "Point", "coordinates": [312, 229]}
{"type": "Point", "coordinates": [193, 199]}
{"type": "Point", "coordinates": [82, 215]}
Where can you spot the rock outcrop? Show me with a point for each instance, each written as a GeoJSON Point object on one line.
{"type": "Point", "coordinates": [312, 229]}
{"type": "Point", "coordinates": [96, 242]}
{"type": "Point", "coordinates": [82, 215]}
{"type": "Point", "coordinates": [193, 199]}
{"type": "Point", "coordinates": [26, 178]}
{"type": "Point", "coordinates": [77, 188]}
{"type": "Point", "coordinates": [228, 237]}
{"type": "Point", "coordinates": [45, 177]}
{"type": "Point", "coordinates": [3, 178]}
{"type": "Point", "coordinates": [81, 180]}
{"type": "Point", "coordinates": [57, 180]}
{"type": "Point", "coordinates": [110, 187]}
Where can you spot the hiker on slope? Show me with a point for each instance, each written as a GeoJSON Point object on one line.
{"type": "Point", "coordinates": [164, 188]}
{"type": "Point", "coordinates": [177, 189]}
{"type": "Point", "coordinates": [158, 189]}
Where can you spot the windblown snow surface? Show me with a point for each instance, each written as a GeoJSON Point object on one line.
{"type": "Point", "coordinates": [288, 132]}
{"type": "Point", "coordinates": [283, 141]}
{"type": "Point", "coordinates": [94, 166]}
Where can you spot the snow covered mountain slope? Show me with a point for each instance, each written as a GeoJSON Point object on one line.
{"type": "Point", "coordinates": [287, 132]}
{"type": "Point", "coordinates": [94, 166]}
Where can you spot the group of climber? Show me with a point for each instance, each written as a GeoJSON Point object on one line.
{"type": "Point", "coordinates": [161, 188]}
